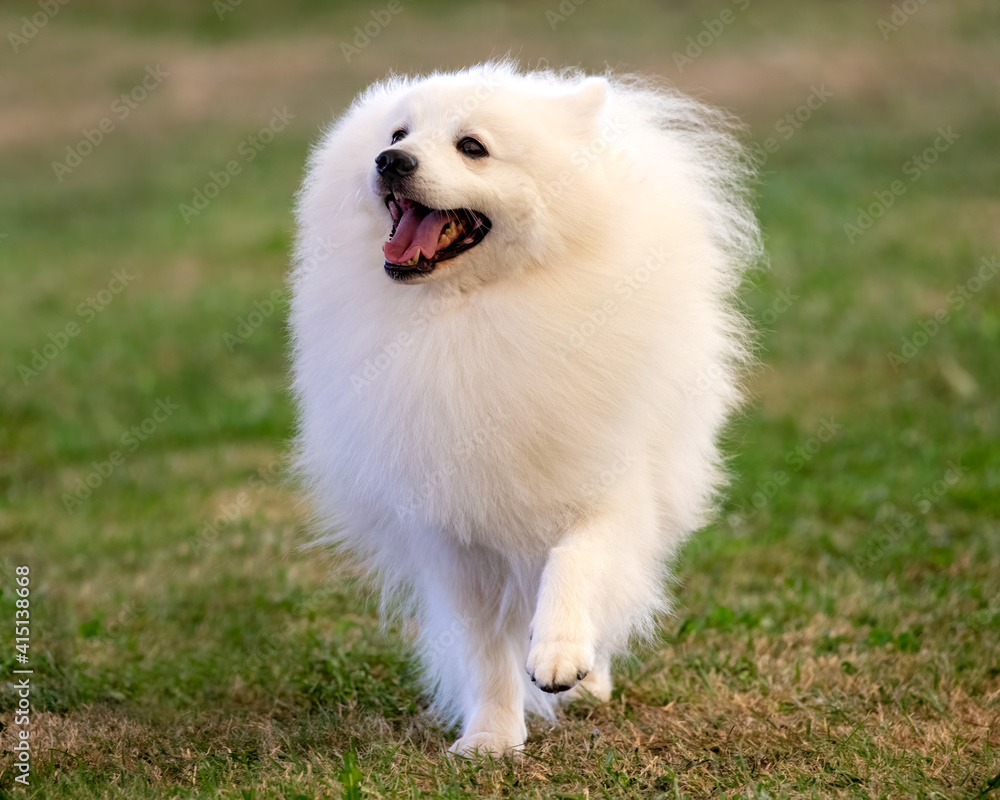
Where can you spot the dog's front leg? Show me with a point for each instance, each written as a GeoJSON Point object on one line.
{"type": "Point", "coordinates": [493, 719]}
{"type": "Point", "coordinates": [563, 632]}
{"type": "Point", "coordinates": [480, 673]}
{"type": "Point", "coordinates": [600, 585]}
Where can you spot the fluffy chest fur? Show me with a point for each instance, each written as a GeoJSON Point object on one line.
{"type": "Point", "coordinates": [466, 414]}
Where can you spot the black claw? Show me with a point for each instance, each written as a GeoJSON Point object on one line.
{"type": "Point", "coordinates": [555, 689]}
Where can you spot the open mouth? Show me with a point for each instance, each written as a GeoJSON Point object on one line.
{"type": "Point", "coordinates": [423, 237]}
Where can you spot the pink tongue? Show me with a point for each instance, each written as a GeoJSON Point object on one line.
{"type": "Point", "coordinates": [416, 232]}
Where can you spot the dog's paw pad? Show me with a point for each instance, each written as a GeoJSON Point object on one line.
{"type": "Point", "coordinates": [558, 666]}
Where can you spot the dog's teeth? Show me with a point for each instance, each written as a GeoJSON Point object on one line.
{"type": "Point", "coordinates": [412, 261]}
{"type": "Point", "coordinates": [449, 234]}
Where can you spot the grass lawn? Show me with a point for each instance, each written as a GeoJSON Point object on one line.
{"type": "Point", "coordinates": [837, 630]}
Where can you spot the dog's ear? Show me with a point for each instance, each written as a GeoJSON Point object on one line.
{"type": "Point", "coordinates": [591, 95]}
{"type": "Point", "coordinates": [588, 103]}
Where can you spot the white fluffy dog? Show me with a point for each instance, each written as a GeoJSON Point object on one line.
{"type": "Point", "coordinates": [514, 347]}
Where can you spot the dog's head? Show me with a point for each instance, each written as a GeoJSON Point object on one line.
{"type": "Point", "coordinates": [476, 173]}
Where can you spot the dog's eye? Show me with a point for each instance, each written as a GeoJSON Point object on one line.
{"type": "Point", "coordinates": [471, 148]}
{"type": "Point", "coordinates": [400, 134]}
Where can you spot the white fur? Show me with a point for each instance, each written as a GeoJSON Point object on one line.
{"type": "Point", "coordinates": [520, 444]}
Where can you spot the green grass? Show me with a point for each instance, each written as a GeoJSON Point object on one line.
{"type": "Point", "coordinates": [838, 629]}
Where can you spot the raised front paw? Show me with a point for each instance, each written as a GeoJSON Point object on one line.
{"type": "Point", "coordinates": [556, 666]}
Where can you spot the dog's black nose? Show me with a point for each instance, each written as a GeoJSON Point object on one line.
{"type": "Point", "coordinates": [394, 165]}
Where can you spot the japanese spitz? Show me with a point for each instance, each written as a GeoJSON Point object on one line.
{"type": "Point", "coordinates": [515, 344]}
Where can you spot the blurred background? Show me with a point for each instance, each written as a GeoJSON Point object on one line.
{"type": "Point", "coordinates": [836, 631]}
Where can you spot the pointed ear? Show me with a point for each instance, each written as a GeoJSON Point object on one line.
{"type": "Point", "coordinates": [584, 107]}
{"type": "Point", "coordinates": [589, 98]}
